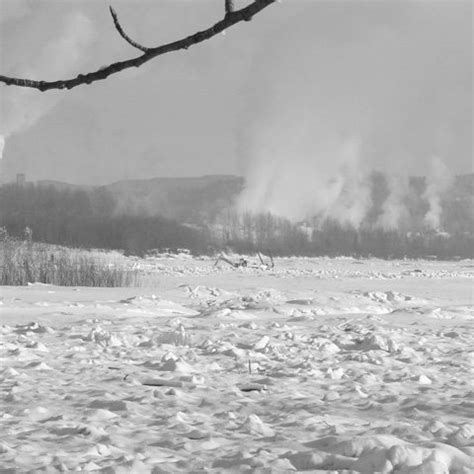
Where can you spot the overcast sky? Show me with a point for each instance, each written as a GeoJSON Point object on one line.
{"type": "Point", "coordinates": [394, 76]}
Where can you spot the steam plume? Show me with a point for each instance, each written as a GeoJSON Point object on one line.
{"type": "Point", "coordinates": [22, 108]}
{"type": "Point", "coordinates": [377, 71]}
{"type": "Point", "coordinates": [2, 145]}
{"type": "Point", "coordinates": [394, 211]}
{"type": "Point", "coordinates": [437, 183]}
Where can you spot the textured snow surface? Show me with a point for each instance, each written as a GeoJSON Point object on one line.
{"type": "Point", "coordinates": [317, 365]}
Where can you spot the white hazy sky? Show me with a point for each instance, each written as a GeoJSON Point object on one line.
{"type": "Point", "coordinates": [396, 76]}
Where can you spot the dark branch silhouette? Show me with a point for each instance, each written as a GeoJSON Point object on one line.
{"type": "Point", "coordinates": [229, 6]}
{"type": "Point", "coordinates": [124, 35]}
{"type": "Point", "coordinates": [231, 18]}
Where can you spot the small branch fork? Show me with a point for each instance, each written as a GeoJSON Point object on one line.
{"type": "Point", "coordinates": [231, 18]}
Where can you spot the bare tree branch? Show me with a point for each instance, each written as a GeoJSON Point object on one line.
{"type": "Point", "coordinates": [267, 265]}
{"type": "Point", "coordinates": [124, 35]}
{"type": "Point", "coordinates": [231, 18]}
{"type": "Point", "coordinates": [271, 260]}
{"type": "Point", "coordinates": [229, 6]}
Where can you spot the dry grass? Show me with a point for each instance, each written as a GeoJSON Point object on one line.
{"type": "Point", "coordinates": [23, 262]}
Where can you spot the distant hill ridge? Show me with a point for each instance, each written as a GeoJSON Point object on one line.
{"type": "Point", "coordinates": [198, 200]}
{"type": "Point", "coordinates": [185, 199]}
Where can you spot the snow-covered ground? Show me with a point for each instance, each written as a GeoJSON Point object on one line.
{"type": "Point", "coordinates": [323, 365]}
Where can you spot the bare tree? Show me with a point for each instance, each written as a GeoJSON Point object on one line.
{"type": "Point", "coordinates": [231, 18]}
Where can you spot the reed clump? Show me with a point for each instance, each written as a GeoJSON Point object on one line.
{"type": "Point", "coordinates": [25, 261]}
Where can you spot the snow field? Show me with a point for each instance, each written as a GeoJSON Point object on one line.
{"type": "Point", "coordinates": [252, 371]}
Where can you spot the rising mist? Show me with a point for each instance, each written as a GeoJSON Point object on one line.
{"type": "Point", "coordinates": [371, 86]}
{"type": "Point", "coordinates": [21, 108]}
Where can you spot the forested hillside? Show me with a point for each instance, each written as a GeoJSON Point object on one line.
{"type": "Point", "coordinates": [199, 214]}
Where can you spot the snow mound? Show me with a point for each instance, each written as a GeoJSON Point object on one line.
{"type": "Point", "coordinates": [156, 306]}
{"type": "Point", "coordinates": [380, 454]}
{"type": "Point", "coordinates": [392, 297]}
{"type": "Point", "coordinates": [376, 342]}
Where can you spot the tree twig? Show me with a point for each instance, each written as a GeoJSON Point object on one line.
{"type": "Point", "coordinates": [231, 18]}
{"type": "Point", "coordinates": [226, 260]}
{"type": "Point", "coordinates": [271, 264]}
{"type": "Point", "coordinates": [124, 35]}
{"type": "Point", "coordinates": [229, 6]}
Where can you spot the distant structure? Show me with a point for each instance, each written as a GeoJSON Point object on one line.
{"type": "Point", "coordinates": [20, 179]}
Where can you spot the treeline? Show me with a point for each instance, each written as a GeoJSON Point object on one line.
{"type": "Point", "coordinates": [80, 218]}
{"type": "Point", "coordinates": [86, 219]}
{"type": "Point", "coordinates": [265, 232]}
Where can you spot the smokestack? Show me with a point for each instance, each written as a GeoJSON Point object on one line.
{"type": "Point", "coordinates": [20, 179]}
